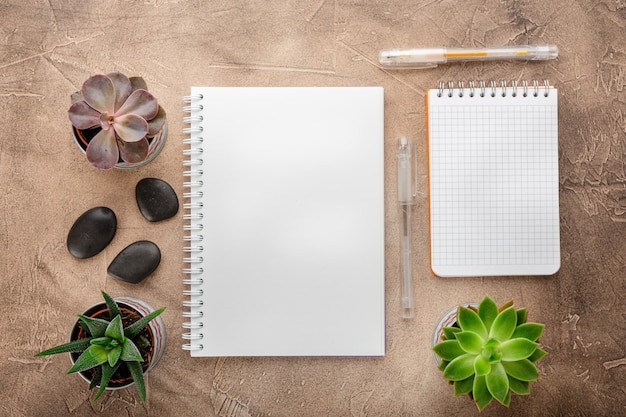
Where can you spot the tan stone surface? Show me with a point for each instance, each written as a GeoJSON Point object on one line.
{"type": "Point", "coordinates": [49, 47]}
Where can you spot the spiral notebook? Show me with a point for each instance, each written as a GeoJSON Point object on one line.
{"type": "Point", "coordinates": [493, 173]}
{"type": "Point", "coordinates": [284, 222]}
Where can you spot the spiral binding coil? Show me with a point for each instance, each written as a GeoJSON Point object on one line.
{"type": "Point", "coordinates": [493, 89]}
{"type": "Point", "coordinates": [192, 216]}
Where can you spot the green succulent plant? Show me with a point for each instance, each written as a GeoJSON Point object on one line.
{"type": "Point", "coordinates": [124, 113]}
{"type": "Point", "coordinates": [490, 352]}
{"type": "Point", "coordinates": [108, 346]}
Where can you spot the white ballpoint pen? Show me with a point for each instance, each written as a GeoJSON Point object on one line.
{"type": "Point", "coordinates": [407, 190]}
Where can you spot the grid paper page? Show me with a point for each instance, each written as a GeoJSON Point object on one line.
{"type": "Point", "coordinates": [494, 207]}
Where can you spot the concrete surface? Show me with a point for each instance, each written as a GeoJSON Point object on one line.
{"type": "Point", "coordinates": [49, 47]}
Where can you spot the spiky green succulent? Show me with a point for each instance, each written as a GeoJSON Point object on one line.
{"type": "Point", "coordinates": [490, 352]}
{"type": "Point", "coordinates": [125, 113]}
{"type": "Point", "coordinates": [108, 347]}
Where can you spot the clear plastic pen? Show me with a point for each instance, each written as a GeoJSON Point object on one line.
{"type": "Point", "coordinates": [431, 57]}
{"type": "Point", "coordinates": [407, 190]}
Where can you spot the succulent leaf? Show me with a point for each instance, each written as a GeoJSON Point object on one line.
{"type": "Point", "coordinates": [131, 127]}
{"type": "Point", "coordinates": [517, 349]}
{"type": "Point", "coordinates": [134, 151]}
{"type": "Point", "coordinates": [491, 351]}
{"type": "Point", "coordinates": [123, 88]}
{"type": "Point", "coordinates": [497, 382]}
{"type": "Point", "coordinates": [97, 376]}
{"type": "Point", "coordinates": [141, 103]}
{"type": "Point", "coordinates": [111, 305]}
{"type": "Point", "coordinates": [134, 329]}
{"type": "Point", "coordinates": [505, 306]}
{"type": "Point", "coordinates": [74, 346]}
{"type": "Point", "coordinates": [137, 374]}
{"type": "Point", "coordinates": [481, 366]}
{"type": "Point", "coordinates": [130, 353]}
{"type": "Point", "coordinates": [76, 96]}
{"type": "Point", "coordinates": [464, 386]}
{"type": "Point", "coordinates": [93, 356]}
{"type": "Point", "coordinates": [524, 370]}
{"type": "Point", "coordinates": [448, 350]}
{"type": "Point", "coordinates": [156, 124]}
{"type": "Point", "coordinates": [519, 387]}
{"type": "Point", "coordinates": [470, 321]}
{"type": "Point", "coordinates": [522, 315]}
{"type": "Point", "coordinates": [96, 326]}
{"type": "Point", "coordinates": [99, 92]}
{"type": "Point", "coordinates": [138, 83]}
{"type": "Point", "coordinates": [530, 331]}
{"type": "Point", "coordinates": [460, 368]}
{"type": "Point", "coordinates": [504, 325]}
{"type": "Point", "coordinates": [101, 341]}
{"type": "Point", "coordinates": [83, 116]}
{"type": "Point", "coordinates": [102, 151]}
{"type": "Point", "coordinates": [507, 399]}
{"type": "Point", "coordinates": [106, 372]}
{"type": "Point", "coordinates": [481, 393]}
{"type": "Point", "coordinates": [470, 342]}
{"type": "Point", "coordinates": [450, 332]}
{"type": "Point", "coordinates": [142, 342]}
{"type": "Point", "coordinates": [114, 355]}
{"type": "Point", "coordinates": [537, 354]}
{"type": "Point", "coordinates": [487, 311]}
{"type": "Point", "coordinates": [115, 330]}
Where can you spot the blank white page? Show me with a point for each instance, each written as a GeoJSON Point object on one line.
{"type": "Point", "coordinates": [292, 222]}
{"type": "Point", "coordinates": [494, 200]}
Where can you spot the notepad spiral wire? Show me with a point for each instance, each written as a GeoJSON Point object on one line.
{"type": "Point", "coordinates": [193, 223]}
{"type": "Point", "coordinates": [493, 89]}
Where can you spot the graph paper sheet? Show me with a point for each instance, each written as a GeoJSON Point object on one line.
{"type": "Point", "coordinates": [494, 201]}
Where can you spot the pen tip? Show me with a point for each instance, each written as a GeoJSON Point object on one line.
{"type": "Point", "coordinates": [553, 51]}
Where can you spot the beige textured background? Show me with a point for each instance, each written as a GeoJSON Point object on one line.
{"type": "Point", "coordinates": [49, 47]}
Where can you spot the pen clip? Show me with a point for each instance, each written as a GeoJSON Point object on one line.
{"type": "Point", "coordinates": [407, 178]}
{"type": "Point", "coordinates": [414, 165]}
{"type": "Point", "coordinates": [422, 65]}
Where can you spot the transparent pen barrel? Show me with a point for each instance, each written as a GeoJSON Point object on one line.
{"type": "Point", "coordinates": [407, 190]}
{"type": "Point", "coordinates": [524, 52]}
{"type": "Point", "coordinates": [405, 261]}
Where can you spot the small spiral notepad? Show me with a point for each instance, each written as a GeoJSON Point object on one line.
{"type": "Point", "coordinates": [493, 162]}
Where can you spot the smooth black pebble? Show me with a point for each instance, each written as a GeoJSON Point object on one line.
{"type": "Point", "coordinates": [156, 199]}
{"type": "Point", "coordinates": [135, 262]}
{"type": "Point", "coordinates": [92, 232]}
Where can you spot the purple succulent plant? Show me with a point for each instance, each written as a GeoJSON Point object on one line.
{"type": "Point", "coordinates": [124, 111]}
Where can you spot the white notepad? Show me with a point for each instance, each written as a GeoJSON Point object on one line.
{"type": "Point", "coordinates": [285, 222]}
{"type": "Point", "coordinates": [494, 188]}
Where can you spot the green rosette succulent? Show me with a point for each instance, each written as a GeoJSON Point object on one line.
{"type": "Point", "coordinates": [490, 352]}
{"type": "Point", "coordinates": [108, 346]}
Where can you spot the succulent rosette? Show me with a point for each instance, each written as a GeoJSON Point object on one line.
{"type": "Point", "coordinates": [111, 344]}
{"type": "Point", "coordinates": [124, 111]}
{"type": "Point", "coordinates": [490, 352]}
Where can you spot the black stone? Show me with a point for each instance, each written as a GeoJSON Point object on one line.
{"type": "Point", "coordinates": [156, 199]}
{"type": "Point", "coordinates": [92, 232]}
{"type": "Point", "coordinates": [135, 262]}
